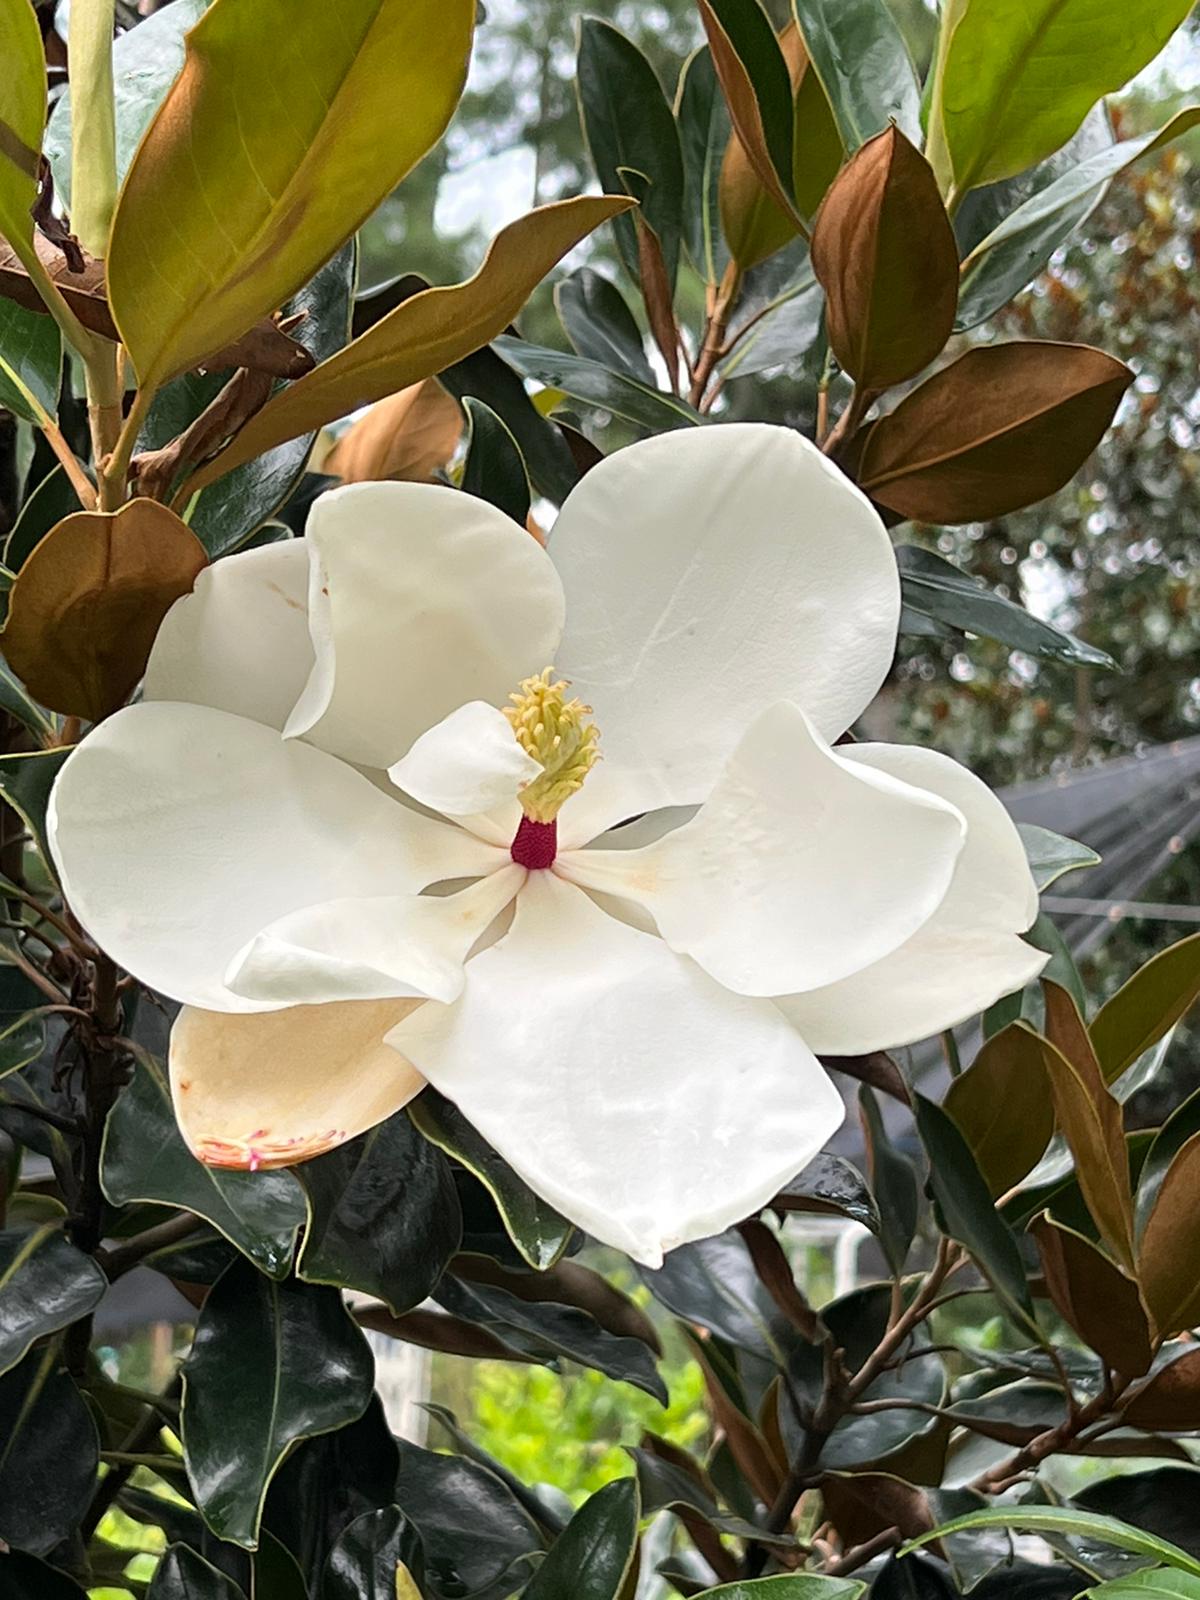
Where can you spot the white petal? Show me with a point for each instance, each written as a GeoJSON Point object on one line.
{"type": "Point", "coordinates": [965, 957]}
{"type": "Point", "coordinates": [356, 949]}
{"type": "Point", "coordinates": [268, 1090]}
{"type": "Point", "coordinates": [625, 1086]}
{"type": "Point", "coordinates": [470, 762]}
{"type": "Point", "coordinates": [422, 598]}
{"type": "Point", "coordinates": [710, 573]}
{"type": "Point", "coordinates": [179, 832]}
{"type": "Point", "coordinates": [239, 641]}
{"type": "Point", "coordinates": [799, 869]}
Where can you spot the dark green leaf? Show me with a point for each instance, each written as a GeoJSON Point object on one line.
{"type": "Point", "coordinates": [539, 1508]}
{"type": "Point", "coordinates": [968, 1215]}
{"type": "Point", "coordinates": [591, 1558]}
{"type": "Point", "coordinates": [1067, 1520]}
{"type": "Point", "coordinates": [629, 128]}
{"type": "Point", "coordinates": [1165, 1502]}
{"type": "Point", "coordinates": [362, 1565]}
{"type": "Point", "coordinates": [864, 67]}
{"type": "Point", "coordinates": [145, 1158]}
{"type": "Point", "coordinates": [756, 84]}
{"type": "Point", "coordinates": [1052, 855]}
{"type": "Point", "coordinates": [893, 1180]}
{"type": "Point", "coordinates": [24, 1577]}
{"type": "Point", "coordinates": [46, 1283]}
{"type": "Point", "coordinates": [537, 1230]}
{"type": "Point", "coordinates": [704, 130]}
{"type": "Point", "coordinates": [17, 702]}
{"type": "Point", "coordinates": [1181, 1126]}
{"type": "Point", "coordinates": [50, 502]}
{"type": "Point", "coordinates": [271, 1364]}
{"type": "Point", "coordinates": [594, 385]}
{"type": "Point", "coordinates": [798, 1586]}
{"type": "Point", "coordinates": [548, 1331]}
{"type": "Point", "coordinates": [25, 782]}
{"type": "Point", "coordinates": [383, 1215]}
{"type": "Point", "coordinates": [476, 1536]}
{"type": "Point", "coordinates": [936, 588]}
{"type": "Point", "coordinates": [49, 1454]}
{"type": "Point", "coordinates": [494, 469]}
{"type": "Point", "coordinates": [1061, 968]}
{"type": "Point", "coordinates": [832, 1185]}
{"type": "Point", "coordinates": [548, 459]}
{"type": "Point", "coordinates": [30, 362]}
{"type": "Point", "coordinates": [183, 1575]}
{"type": "Point", "coordinates": [21, 1042]}
{"type": "Point", "coordinates": [25, 1093]}
{"type": "Point", "coordinates": [600, 325]}
{"type": "Point", "coordinates": [787, 331]}
{"type": "Point", "coordinates": [1142, 1010]}
{"type": "Point", "coordinates": [713, 1284]}
{"type": "Point", "coordinates": [665, 1485]}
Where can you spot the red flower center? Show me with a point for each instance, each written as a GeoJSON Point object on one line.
{"type": "Point", "coordinates": [535, 845]}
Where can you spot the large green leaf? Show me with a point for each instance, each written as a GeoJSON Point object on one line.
{"type": "Point", "coordinates": [704, 129]}
{"type": "Point", "coordinates": [600, 325]}
{"type": "Point", "coordinates": [799, 1586]}
{"type": "Point", "coordinates": [53, 499]}
{"type": "Point", "coordinates": [383, 1215]}
{"type": "Point", "coordinates": [1145, 1007]}
{"type": "Point", "coordinates": [548, 460]}
{"type": "Point", "coordinates": [669, 1484]}
{"type": "Point", "coordinates": [144, 1158]}
{"type": "Point", "coordinates": [1015, 78]}
{"type": "Point", "coordinates": [224, 515]}
{"type": "Point", "coordinates": [1163, 1581]}
{"type": "Point", "coordinates": [280, 165]}
{"type": "Point", "coordinates": [1069, 1522]}
{"type": "Point", "coordinates": [494, 468]}
{"type": "Point", "coordinates": [184, 1575]}
{"type": "Point", "coordinates": [894, 1181]}
{"type": "Point", "coordinates": [599, 386]}
{"type": "Point", "coordinates": [630, 130]}
{"type": "Point", "coordinates": [864, 67]}
{"type": "Point", "coordinates": [363, 1563]}
{"type": "Point", "coordinates": [30, 362]}
{"type": "Point", "coordinates": [146, 61]}
{"type": "Point", "coordinates": [1052, 855]}
{"type": "Point", "coordinates": [25, 783]}
{"type": "Point", "coordinates": [713, 1283]}
{"type": "Point", "coordinates": [21, 1041]}
{"type": "Point", "coordinates": [425, 333]}
{"type": "Point", "coordinates": [46, 1283]}
{"type": "Point", "coordinates": [591, 1558]}
{"type": "Point", "coordinates": [1016, 251]}
{"type": "Point", "coordinates": [22, 115]}
{"type": "Point", "coordinates": [539, 1232]}
{"type": "Point", "coordinates": [49, 1454]}
{"type": "Point", "coordinates": [757, 87]}
{"type": "Point", "coordinates": [933, 587]}
{"type": "Point", "coordinates": [271, 1364]}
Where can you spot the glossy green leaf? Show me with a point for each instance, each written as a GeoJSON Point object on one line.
{"type": "Point", "coordinates": [25, 783]}
{"type": "Point", "coordinates": [667, 1484]}
{"type": "Point", "coordinates": [798, 1586]}
{"type": "Point", "coordinates": [1015, 78]}
{"type": "Point", "coordinates": [46, 1283]}
{"type": "Point", "coordinates": [146, 61]}
{"type": "Point", "coordinates": [863, 63]}
{"type": "Point", "coordinates": [49, 1454]}
{"type": "Point", "coordinates": [600, 325]}
{"type": "Point", "coordinates": [21, 1042]}
{"type": "Point", "coordinates": [289, 180]}
{"type": "Point", "coordinates": [1148, 1586]}
{"type": "Point", "coordinates": [704, 129]}
{"type": "Point", "coordinates": [833, 1186]}
{"type": "Point", "coordinates": [50, 502]}
{"type": "Point", "coordinates": [145, 1159]}
{"type": "Point", "coordinates": [224, 515]}
{"type": "Point", "coordinates": [548, 460]}
{"type": "Point", "coordinates": [494, 468]}
{"type": "Point", "coordinates": [591, 1558]}
{"type": "Point", "coordinates": [789, 329]}
{"type": "Point", "coordinates": [1072, 1523]}
{"type": "Point", "coordinates": [893, 1180]}
{"type": "Point", "coordinates": [424, 334]}
{"type": "Point", "coordinates": [363, 1563]}
{"type": "Point", "coordinates": [1052, 855]}
{"type": "Point", "coordinates": [757, 86]}
{"type": "Point", "coordinates": [712, 1282]}
{"type": "Point", "coordinates": [629, 128]}
{"type": "Point", "coordinates": [1015, 252]}
{"type": "Point", "coordinates": [1144, 1008]}
{"type": "Point", "coordinates": [537, 1230]}
{"type": "Point", "coordinates": [184, 1575]}
{"type": "Point", "coordinates": [966, 1208]}
{"type": "Point", "coordinates": [595, 385]}
{"type": "Point", "coordinates": [30, 362]}
{"type": "Point", "coordinates": [547, 1516]}
{"type": "Point", "coordinates": [933, 587]}
{"type": "Point", "coordinates": [383, 1215]}
{"type": "Point", "coordinates": [271, 1364]}
{"type": "Point", "coordinates": [1061, 968]}
{"type": "Point", "coordinates": [18, 703]}
{"type": "Point", "coordinates": [22, 115]}
{"type": "Point", "coordinates": [1181, 1126]}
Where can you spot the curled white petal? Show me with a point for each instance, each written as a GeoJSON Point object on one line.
{"type": "Point", "coordinates": [469, 763]}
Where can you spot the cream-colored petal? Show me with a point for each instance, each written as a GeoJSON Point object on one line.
{"type": "Point", "coordinates": [279, 1087]}
{"type": "Point", "coordinates": [469, 763]}
{"type": "Point", "coordinates": [422, 598]}
{"type": "Point", "coordinates": [623, 1084]}
{"type": "Point", "coordinates": [709, 573]}
{"type": "Point", "coordinates": [239, 641]}
{"type": "Point", "coordinates": [800, 868]}
{"type": "Point", "coordinates": [965, 957]}
{"type": "Point", "coordinates": [180, 832]}
{"type": "Point", "coordinates": [386, 947]}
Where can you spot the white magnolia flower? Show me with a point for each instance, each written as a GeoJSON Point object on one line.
{"type": "Point", "coordinates": [321, 832]}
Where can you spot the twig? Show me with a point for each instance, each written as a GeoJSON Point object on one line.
{"type": "Point", "coordinates": [862, 1553]}
{"type": "Point", "coordinates": [123, 1257]}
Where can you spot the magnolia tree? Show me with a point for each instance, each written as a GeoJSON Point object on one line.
{"type": "Point", "coordinates": [503, 895]}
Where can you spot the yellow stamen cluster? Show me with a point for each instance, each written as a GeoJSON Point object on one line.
{"type": "Point", "coordinates": [552, 730]}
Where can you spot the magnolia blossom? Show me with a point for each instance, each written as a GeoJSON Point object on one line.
{"type": "Point", "coordinates": [358, 826]}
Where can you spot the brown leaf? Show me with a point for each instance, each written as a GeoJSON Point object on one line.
{"type": "Point", "coordinates": [265, 348]}
{"type": "Point", "coordinates": [862, 1504]}
{"type": "Point", "coordinates": [743, 106]}
{"type": "Point", "coordinates": [570, 1284]}
{"type": "Point", "coordinates": [1002, 427]}
{"type": "Point", "coordinates": [657, 297]}
{"type": "Point", "coordinates": [1170, 1400]}
{"type": "Point", "coordinates": [433, 1330]}
{"type": "Point", "coordinates": [746, 1444]}
{"type": "Point", "coordinates": [155, 471]}
{"type": "Point", "coordinates": [1169, 1252]}
{"type": "Point", "coordinates": [84, 609]}
{"type": "Point", "coordinates": [753, 222]}
{"type": "Point", "coordinates": [409, 436]}
{"type": "Point", "coordinates": [705, 1537]}
{"type": "Point", "coordinates": [877, 1069]}
{"type": "Point", "coordinates": [1095, 1297]}
{"type": "Point", "coordinates": [1091, 1121]}
{"type": "Point", "coordinates": [1003, 1108]}
{"type": "Point", "coordinates": [775, 1272]}
{"type": "Point", "coordinates": [885, 254]}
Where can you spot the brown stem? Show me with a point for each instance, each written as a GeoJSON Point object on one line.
{"type": "Point", "coordinates": [859, 404]}
{"type": "Point", "coordinates": [1055, 1440]}
{"type": "Point", "coordinates": [948, 1259]}
{"type": "Point", "coordinates": [714, 333]}
{"type": "Point", "coordinates": [862, 1553]}
{"type": "Point", "coordinates": [123, 1257]}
